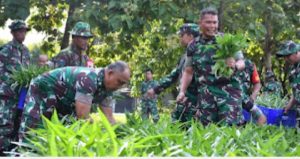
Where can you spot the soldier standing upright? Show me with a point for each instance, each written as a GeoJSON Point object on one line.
{"type": "Point", "coordinates": [183, 111]}
{"type": "Point", "coordinates": [13, 55]}
{"type": "Point", "coordinates": [75, 55]}
{"type": "Point", "coordinates": [148, 104]}
{"type": "Point", "coordinates": [219, 98]}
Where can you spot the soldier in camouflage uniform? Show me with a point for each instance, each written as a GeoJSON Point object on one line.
{"type": "Point", "coordinates": [219, 98]}
{"type": "Point", "coordinates": [74, 54]}
{"type": "Point", "coordinates": [183, 112]}
{"type": "Point", "coordinates": [291, 53]}
{"type": "Point", "coordinates": [249, 78]}
{"type": "Point", "coordinates": [271, 85]}
{"type": "Point", "coordinates": [71, 90]}
{"type": "Point", "coordinates": [13, 55]}
{"type": "Point", "coordinates": [149, 105]}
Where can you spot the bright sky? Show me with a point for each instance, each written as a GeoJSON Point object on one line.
{"type": "Point", "coordinates": [32, 37]}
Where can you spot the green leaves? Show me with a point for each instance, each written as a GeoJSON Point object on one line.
{"type": "Point", "coordinates": [23, 76]}
{"type": "Point", "coordinates": [271, 100]}
{"type": "Point", "coordinates": [140, 138]}
{"type": "Point", "coordinates": [227, 46]}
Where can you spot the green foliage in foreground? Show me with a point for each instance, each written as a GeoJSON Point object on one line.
{"type": "Point", "coordinates": [143, 138]}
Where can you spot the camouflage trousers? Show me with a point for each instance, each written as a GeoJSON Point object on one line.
{"type": "Point", "coordinates": [185, 111]}
{"type": "Point", "coordinates": [218, 109]}
{"type": "Point", "coordinates": [149, 108]}
{"type": "Point", "coordinates": [38, 103]}
{"type": "Point", "coordinates": [8, 123]}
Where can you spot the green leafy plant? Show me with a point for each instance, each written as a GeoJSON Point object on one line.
{"type": "Point", "coordinates": [143, 138]}
{"type": "Point", "coordinates": [23, 76]}
{"type": "Point", "coordinates": [227, 46]}
{"type": "Point", "coordinates": [271, 100]}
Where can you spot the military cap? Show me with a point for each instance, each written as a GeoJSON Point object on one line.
{"type": "Point", "coordinates": [269, 74]}
{"type": "Point", "coordinates": [189, 28]}
{"type": "Point", "coordinates": [288, 48]}
{"type": "Point", "coordinates": [18, 24]}
{"type": "Point", "coordinates": [81, 29]}
{"type": "Point", "coordinates": [239, 55]}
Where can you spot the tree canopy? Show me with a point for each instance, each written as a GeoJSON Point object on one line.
{"type": "Point", "coordinates": [143, 32]}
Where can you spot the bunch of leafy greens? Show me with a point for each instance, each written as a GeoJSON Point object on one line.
{"type": "Point", "coordinates": [271, 100]}
{"type": "Point", "coordinates": [23, 76]}
{"type": "Point", "coordinates": [227, 46]}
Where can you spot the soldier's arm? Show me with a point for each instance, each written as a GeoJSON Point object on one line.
{"type": "Point", "coordinates": [166, 81]}
{"type": "Point", "coordinates": [60, 60]}
{"type": "Point", "coordinates": [106, 108]}
{"type": "Point", "coordinates": [290, 104]}
{"type": "Point", "coordinates": [82, 109]}
{"type": "Point", "coordinates": [143, 88]}
{"type": "Point", "coordinates": [256, 83]}
{"type": "Point", "coordinates": [188, 72]}
{"type": "Point", "coordinates": [295, 99]}
{"type": "Point", "coordinates": [107, 111]}
{"type": "Point", "coordinates": [186, 79]}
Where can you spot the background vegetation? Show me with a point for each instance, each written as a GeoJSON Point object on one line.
{"type": "Point", "coordinates": [143, 32]}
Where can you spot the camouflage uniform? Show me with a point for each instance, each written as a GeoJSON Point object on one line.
{"type": "Point", "coordinates": [248, 76]}
{"type": "Point", "coordinates": [183, 111]}
{"type": "Point", "coordinates": [271, 85]}
{"type": "Point", "coordinates": [219, 98]}
{"type": "Point", "coordinates": [71, 56]}
{"type": "Point", "coordinates": [59, 89]}
{"type": "Point", "coordinates": [294, 70]}
{"type": "Point", "coordinates": [149, 105]}
{"type": "Point", "coordinates": [13, 55]}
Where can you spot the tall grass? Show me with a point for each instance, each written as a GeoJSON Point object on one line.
{"type": "Point", "coordinates": [144, 138]}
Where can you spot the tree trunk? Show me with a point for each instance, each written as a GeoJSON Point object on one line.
{"type": "Point", "coordinates": [268, 44]}
{"type": "Point", "coordinates": [221, 15]}
{"type": "Point", "coordinates": [65, 40]}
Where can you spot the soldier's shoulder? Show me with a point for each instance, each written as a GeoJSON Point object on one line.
{"type": "Point", "coordinates": [65, 51]}
{"type": "Point", "coordinates": [6, 48]}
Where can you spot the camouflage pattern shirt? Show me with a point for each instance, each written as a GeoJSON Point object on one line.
{"type": "Point", "coordinates": [248, 77]}
{"type": "Point", "coordinates": [13, 55]}
{"type": "Point", "coordinates": [175, 75]}
{"type": "Point", "coordinates": [146, 85]}
{"type": "Point", "coordinates": [294, 79]}
{"type": "Point", "coordinates": [200, 57]}
{"type": "Point", "coordinates": [273, 87]}
{"type": "Point", "coordinates": [68, 84]}
{"type": "Point", "coordinates": [70, 56]}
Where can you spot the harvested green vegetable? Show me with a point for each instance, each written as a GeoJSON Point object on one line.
{"type": "Point", "coordinates": [23, 76]}
{"type": "Point", "coordinates": [271, 100]}
{"type": "Point", "coordinates": [227, 46]}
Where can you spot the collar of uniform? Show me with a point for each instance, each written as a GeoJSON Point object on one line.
{"type": "Point", "coordinates": [206, 40]}
{"type": "Point", "coordinates": [100, 78]}
{"type": "Point", "coordinates": [16, 44]}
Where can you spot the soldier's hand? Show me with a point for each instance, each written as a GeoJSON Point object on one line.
{"type": "Point", "coordinates": [181, 97]}
{"type": "Point", "coordinates": [240, 64]}
{"type": "Point", "coordinates": [151, 93]}
{"type": "Point", "coordinates": [285, 110]}
{"type": "Point", "coordinates": [230, 62]}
